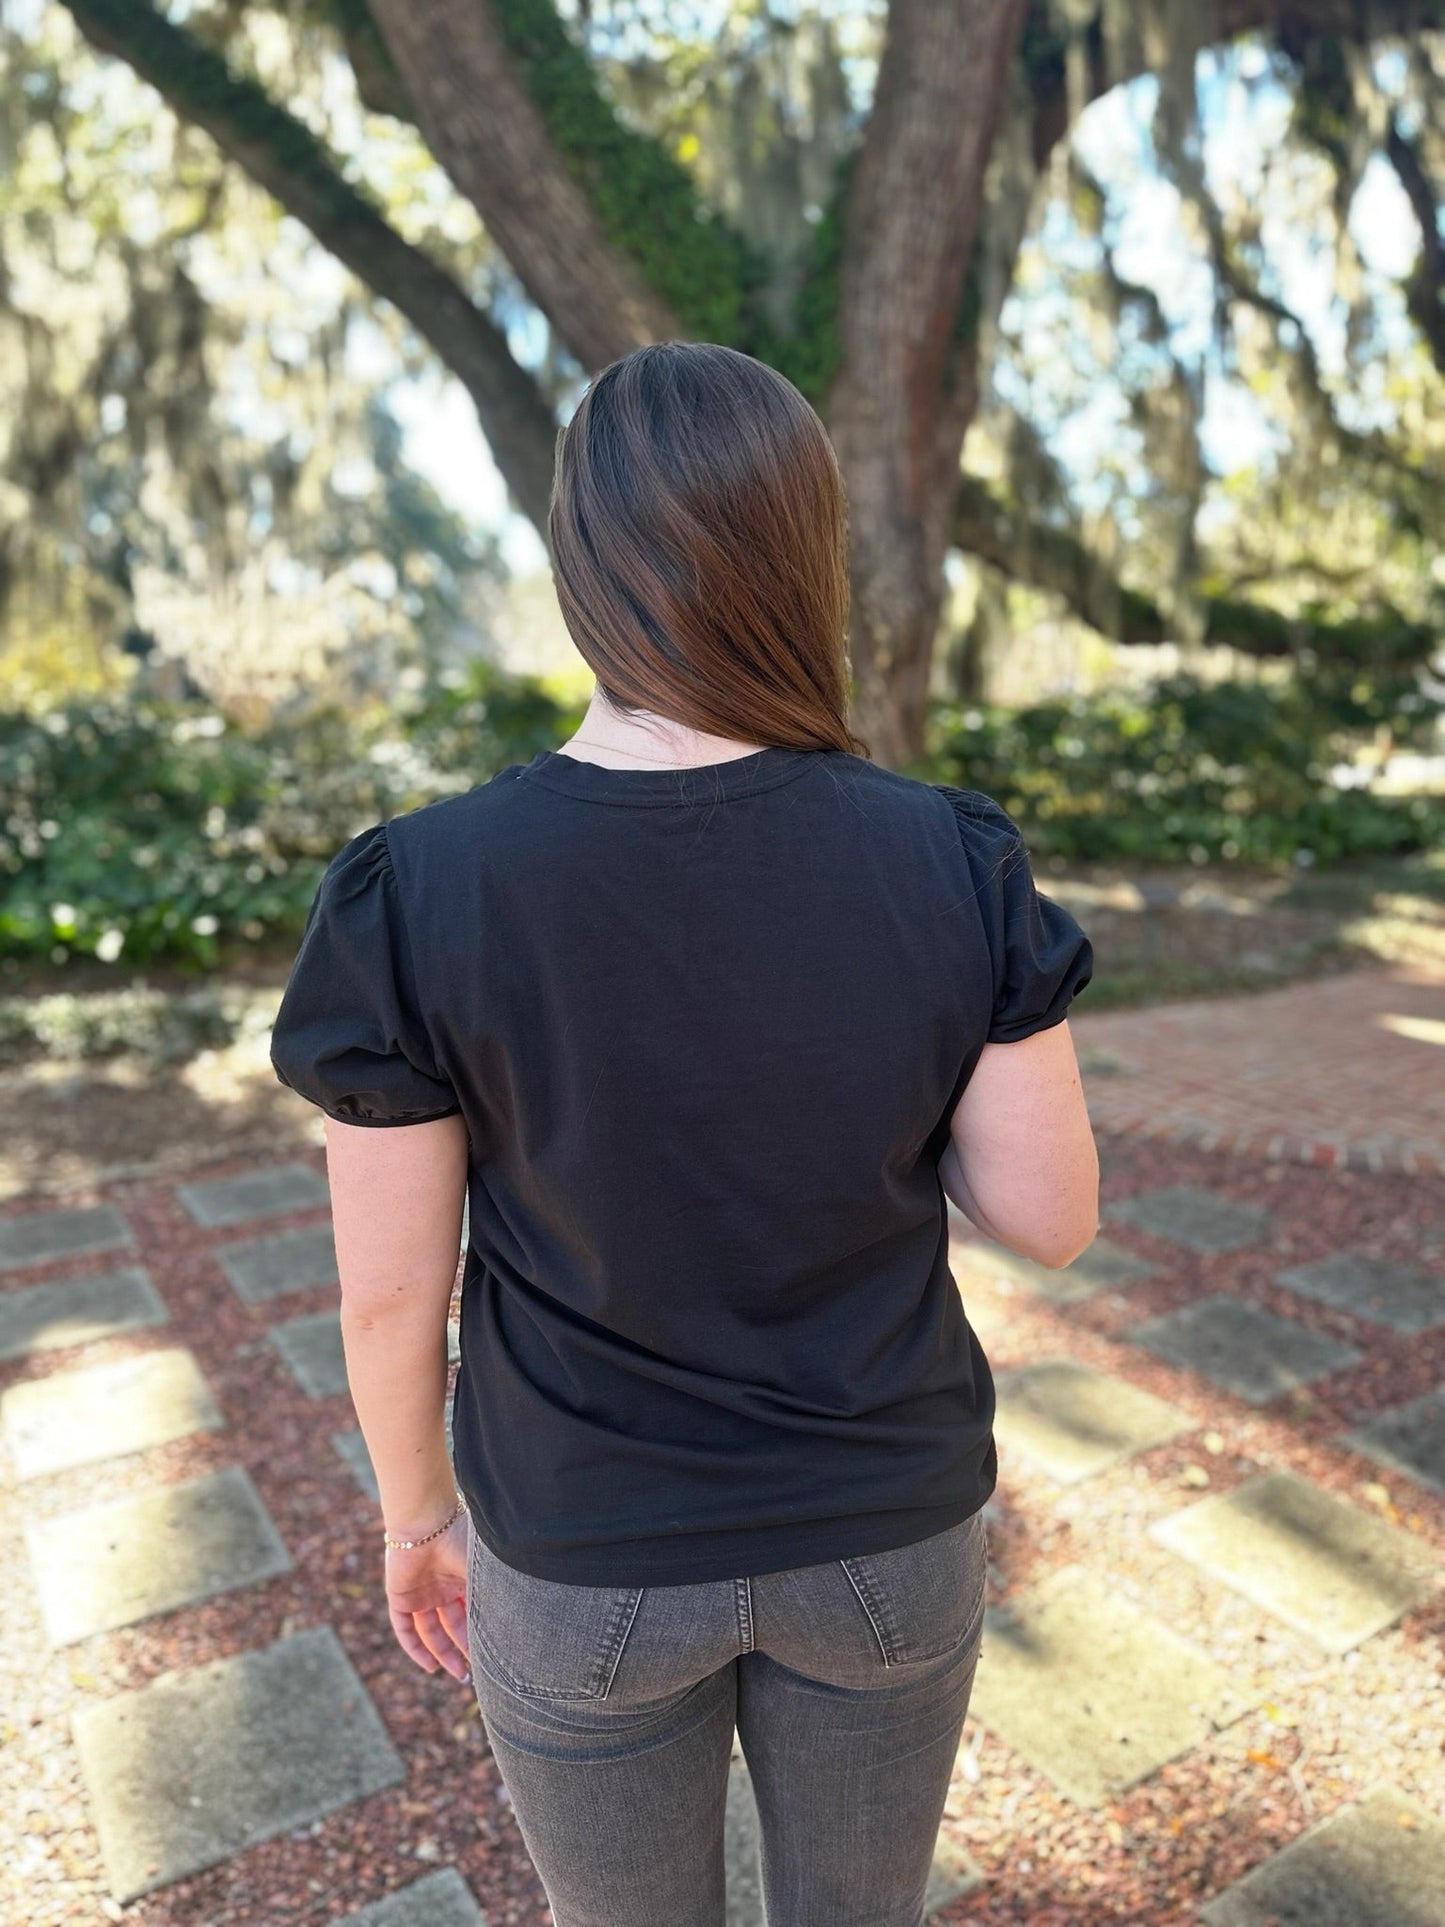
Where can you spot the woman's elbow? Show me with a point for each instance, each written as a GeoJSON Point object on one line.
{"type": "Point", "coordinates": [1069, 1243]}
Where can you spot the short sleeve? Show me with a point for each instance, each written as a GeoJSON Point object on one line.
{"type": "Point", "coordinates": [1041, 956]}
{"type": "Point", "coordinates": [348, 1036]}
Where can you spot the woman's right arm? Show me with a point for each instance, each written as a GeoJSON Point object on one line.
{"type": "Point", "coordinates": [1021, 1162]}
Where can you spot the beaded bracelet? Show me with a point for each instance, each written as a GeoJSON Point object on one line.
{"type": "Point", "coordinates": [405, 1545]}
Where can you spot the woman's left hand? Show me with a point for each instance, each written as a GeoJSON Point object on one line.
{"type": "Point", "coordinates": [426, 1596]}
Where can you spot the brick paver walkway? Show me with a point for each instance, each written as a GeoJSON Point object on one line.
{"type": "Point", "coordinates": [1346, 1071]}
{"type": "Point", "coordinates": [1215, 1545]}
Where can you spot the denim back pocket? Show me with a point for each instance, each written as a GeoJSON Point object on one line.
{"type": "Point", "coordinates": [926, 1599]}
{"type": "Point", "coordinates": [544, 1637]}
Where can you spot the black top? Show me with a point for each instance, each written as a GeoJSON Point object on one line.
{"type": "Point", "coordinates": [706, 1028]}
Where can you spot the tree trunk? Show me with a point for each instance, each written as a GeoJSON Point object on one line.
{"type": "Point", "coordinates": [908, 383]}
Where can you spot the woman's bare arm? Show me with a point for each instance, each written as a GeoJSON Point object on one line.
{"type": "Point", "coordinates": [1021, 1162]}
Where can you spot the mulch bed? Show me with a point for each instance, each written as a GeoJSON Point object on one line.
{"type": "Point", "coordinates": [1326, 1731]}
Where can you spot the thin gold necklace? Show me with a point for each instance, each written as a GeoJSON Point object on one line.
{"type": "Point", "coordinates": [667, 762]}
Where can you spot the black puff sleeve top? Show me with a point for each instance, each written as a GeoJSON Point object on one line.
{"type": "Point", "coordinates": [1041, 957]}
{"type": "Point", "coordinates": [706, 1029]}
{"type": "Point", "coordinates": [348, 1034]}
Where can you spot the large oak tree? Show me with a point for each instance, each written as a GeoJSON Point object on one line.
{"type": "Point", "coordinates": [880, 318]}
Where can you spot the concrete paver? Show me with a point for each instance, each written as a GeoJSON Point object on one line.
{"type": "Point", "coordinates": [152, 1552]}
{"type": "Point", "coordinates": [105, 1411]}
{"type": "Point", "coordinates": [35, 1237]}
{"type": "Point", "coordinates": [262, 1268]}
{"type": "Point", "coordinates": [440, 1899]}
{"type": "Point", "coordinates": [1409, 1438]}
{"type": "Point", "coordinates": [253, 1194]}
{"type": "Point", "coordinates": [952, 1876]}
{"type": "Point", "coordinates": [1072, 1422]}
{"type": "Point", "coordinates": [1091, 1690]}
{"type": "Point", "coordinates": [1329, 1569]}
{"type": "Point", "coordinates": [1187, 1214]}
{"type": "Point", "coordinates": [1242, 1347]}
{"type": "Point", "coordinates": [312, 1349]}
{"type": "Point", "coordinates": [197, 1765]}
{"type": "Point", "coordinates": [1377, 1863]}
{"type": "Point", "coordinates": [77, 1311]}
{"type": "Point", "coordinates": [1405, 1299]}
{"type": "Point", "coordinates": [741, 1866]}
{"type": "Point", "coordinates": [351, 1447]}
{"type": "Point", "coordinates": [1102, 1266]}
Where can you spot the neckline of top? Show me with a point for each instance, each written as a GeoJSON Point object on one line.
{"type": "Point", "coordinates": [762, 769]}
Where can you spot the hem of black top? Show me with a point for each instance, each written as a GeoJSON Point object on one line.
{"type": "Point", "coordinates": [1027, 1027]}
{"type": "Point", "coordinates": [743, 1553]}
{"type": "Point", "coordinates": [388, 1123]}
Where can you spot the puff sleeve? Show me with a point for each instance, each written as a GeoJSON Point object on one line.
{"type": "Point", "coordinates": [347, 1035]}
{"type": "Point", "coordinates": [1041, 957]}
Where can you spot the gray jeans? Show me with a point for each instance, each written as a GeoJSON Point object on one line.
{"type": "Point", "coordinates": [611, 1712]}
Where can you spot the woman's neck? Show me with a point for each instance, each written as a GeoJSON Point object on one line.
{"type": "Point", "coordinates": [648, 741]}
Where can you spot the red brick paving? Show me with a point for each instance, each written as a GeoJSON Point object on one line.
{"type": "Point", "coordinates": [1345, 1071]}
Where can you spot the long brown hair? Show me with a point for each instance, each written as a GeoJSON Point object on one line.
{"type": "Point", "coordinates": [699, 536]}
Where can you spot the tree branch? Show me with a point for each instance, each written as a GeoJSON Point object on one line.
{"type": "Point", "coordinates": [487, 131]}
{"type": "Point", "coordinates": [1052, 559]}
{"type": "Point", "coordinates": [378, 84]}
{"type": "Point", "coordinates": [286, 158]}
{"type": "Point", "coordinates": [1426, 294]}
{"type": "Point", "coordinates": [1294, 24]}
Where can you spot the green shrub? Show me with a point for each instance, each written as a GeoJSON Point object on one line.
{"type": "Point", "coordinates": [148, 831]}
{"type": "Point", "coordinates": [1191, 771]}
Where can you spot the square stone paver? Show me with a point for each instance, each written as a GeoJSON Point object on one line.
{"type": "Point", "coordinates": [1380, 1863]}
{"type": "Point", "coordinates": [1092, 1691]}
{"type": "Point", "coordinates": [1071, 1421]}
{"type": "Point", "coordinates": [1410, 1439]}
{"type": "Point", "coordinates": [1375, 1288]}
{"type": "Point", "coordinates": [351, 1446]}
{"type": "Point", "coordinates": [254, 1194]}
{"type": "Point", "coordinates": [951, 1876]}
{"type": "Point", "coordinates": [1186, 1214]}
{"type": "Point", "coordinates": [741, 1866]}
{"type": "Point", "coordinates": [199, 1764]}
{"type": "Point", "coordinates": [76, 1311]}
{"type": "Point", "coordinates": [440, 1899]}
{"type": "Point", "coordinates": [1101, 1266]}
{"type": "Point", "coordinates": [105, 1411]}
{"type": "Point", "coordinates": [1241, 1347]}
{"type": "Point", "coordinates": [110, 1565]}
{"type": "Point", "coordinates": [36, 1236]}
{"type": "Point", "coordinates": [312, 1348]}
{"type": "Point", "coordinates": [261, 1268]}
{"type": "Point", "coordinates": [1327, 1568]}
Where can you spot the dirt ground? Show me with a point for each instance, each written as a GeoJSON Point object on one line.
{"type": "Point", "coordinates": [67, 1120]}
